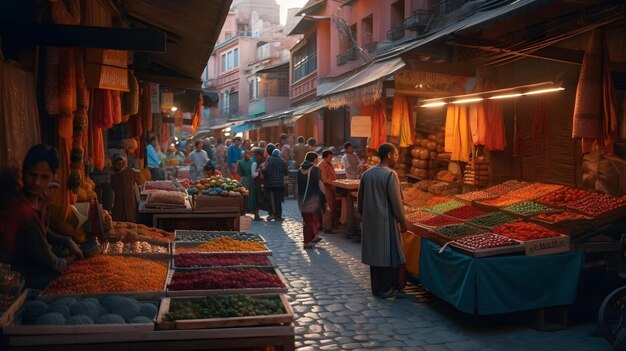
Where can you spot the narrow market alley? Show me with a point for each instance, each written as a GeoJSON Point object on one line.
{"type": "Point", "coordinates": [329, 292]}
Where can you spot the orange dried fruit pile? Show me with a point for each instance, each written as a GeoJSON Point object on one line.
{"type": "Point", "coordinates": [223, 244]}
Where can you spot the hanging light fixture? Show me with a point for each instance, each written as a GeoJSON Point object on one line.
{"type": "Point", "coordinates": [507, 93]}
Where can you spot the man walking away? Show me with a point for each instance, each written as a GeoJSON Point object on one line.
{"type": "Point", "coordinates": [274, 174]}
{"type": "Point", "coordinates": [380, 205]}
{"type": "Point", "coordinates": [299, 152]}
{"type": "Point", "coordinates": [328, 177]}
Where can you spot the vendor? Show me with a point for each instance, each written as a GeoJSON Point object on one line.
{"type": "Point", "coordinates": [210, 169]}
{"type": "Point", "coordinates": [38, 251]}
{"type": "Point", "coordinates": [125, 190]}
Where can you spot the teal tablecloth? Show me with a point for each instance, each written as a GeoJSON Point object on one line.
{"type": "Point", "coordinates": [499, 284]}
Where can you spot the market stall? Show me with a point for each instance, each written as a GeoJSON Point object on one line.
{"type": "Point", "coordinates": [207, 288]}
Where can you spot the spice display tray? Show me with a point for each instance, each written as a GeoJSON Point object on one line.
{"type": "Point", "coordinates": [177, 244]}
{"type": "Point", "coordinates": [182, 235]}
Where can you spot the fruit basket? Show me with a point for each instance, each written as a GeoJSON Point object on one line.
{"type": "Point", "coordinates": [221, 245]}
{"type": "Point", "coordinates": [202, 236]}
{"type": "Point", "coordinates": [200, 260]}
{"type": "Point", "coordinates": [487, 244]}
{"type": "Point", "coordinates": [224, 311]}
{"type": "Point", "coordinates": [223, 281]}
{"type": "Point", "coordinates": [85, 315]}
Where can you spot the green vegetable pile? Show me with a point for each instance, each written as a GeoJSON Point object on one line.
{"type": "Point", "coordinates": [223, 307]}
{"type": "Point", "coordinates": [492, 220]}
{"type": "Point", "coordinates": [444, 207]}
{"type": "Point", "coordinates": [528, 208]}
{"type": "Point", "coordinates": [457, 230]}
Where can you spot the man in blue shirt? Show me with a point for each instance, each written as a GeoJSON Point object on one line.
{"type": "Point", "coordinates": [153, 160]}
{"type": "Point", "coordinates": [234, 155]}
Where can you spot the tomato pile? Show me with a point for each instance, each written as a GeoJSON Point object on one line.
{"type": "Point", "coordinates": [524, 231]}
{"type": "Point", "coordinates": [485, 241]}
{"type": "Point", "coordinates": [224, 278]}
{"type": "Point", "coordinates": [105, 274]}
{"type": "Point", "coordinates": [564, 196]}
{"type": "Point", "coordinates": [465, 212]}
{"type": "Point", "coordinates": [222, 260]}
{"type": "Point", "coordinates": [560, 217]}
{"type": "Point", "coordinates": [597, 204]}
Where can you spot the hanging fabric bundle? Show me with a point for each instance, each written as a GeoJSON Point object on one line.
{"type": "Point", "coordinates": [379, 125]}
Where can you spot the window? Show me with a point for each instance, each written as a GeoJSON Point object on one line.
{"type": "Point", "coordinates": [367, 29]}
{"type": "Point", "coordinates": [251, 89]}
{"type": "Point", "coordinates": [230, 60]}
{"type": "Point", "coordinates": [305, 59]}
{"type": "Point", "coordinates": [234, 103]}
{"type": "Point", "coordinates": [225, 103]}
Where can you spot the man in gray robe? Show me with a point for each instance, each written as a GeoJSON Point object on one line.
{"type": "Point", "coordinates": [380, 205]}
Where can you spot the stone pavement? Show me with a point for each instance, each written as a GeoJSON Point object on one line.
{"type": "Point", "coordinates": [331, 297]}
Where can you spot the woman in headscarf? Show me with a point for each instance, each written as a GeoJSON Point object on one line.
{"type": "Point", "coordinates": [311, 199]}
{"type": "Point", "coordinates": [247, 168]}
{"type": "Point", "coordinates": [275, 173]}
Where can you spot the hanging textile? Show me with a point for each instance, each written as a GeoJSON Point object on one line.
{"type": "Point", "coordinates": [595, 115]}
{"type": "Point", "coordinates": [486, 120]}
{"type": "Point", "coordinates": [457, 134]}
{"type": "Point", "coordinates": [19, 116]}
{"type": "Point", "coordinates": [116, 106]}
{"type": "Point", "coordinates": [406, 123]}
{"type": "Point", "coordinates": [378, 135]}
{"type": "Point", "coordinates": [102, 108]}
{"type": "Point", "coordinates": [397, 114]}
{"type": "Point", "coordinates": [197, 115]}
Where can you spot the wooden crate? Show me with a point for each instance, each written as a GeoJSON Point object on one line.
{"type": "Point", "coordinates": [10, 314]}
{"type": "Point", "coordinates": [568, 227]}
{"type": "Point", "coordinates": [250, 321]}
{"type": "Point", "coordinates": [205, 201]}
{"type": "Point", "coordinates": [178, 244]}
{"type": "Point", "coordinates": [495, 251]}
{"type": "Point", "coordinates": [272, 290]}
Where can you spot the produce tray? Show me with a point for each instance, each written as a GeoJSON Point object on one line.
{"type": "Point", "coordinates": [496, 251]}
{"type": "Point", "coordinates": [182, 235]}
{"type": "Point", "coordinates": [206, 292]}
{"type": "Point", "coordinates": [176, 244]}
{"type": "Point", "coordinates": [567, 227]}
{"type": "Point", "coordinates": [19, 329]}
{"type": "Point", "coordinates": [526, 217]}
{"type": "Point", "coordinates": [278, 319]}
{"type": "Point", "coordinates": [610, 216]}
{"type": "Point", "coordinates": [149, 255]}
{"type": "Point", "coordinates": [207, 201]}
{"type": "Point", "coordinates": [10, 314]}
{"type": "Point", "coordinates": [175, 267]}
{"type": "Point", "coordinates": [489, 207]}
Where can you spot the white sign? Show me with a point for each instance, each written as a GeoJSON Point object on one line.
{"type": "Point", "coordinates": [361, 126]}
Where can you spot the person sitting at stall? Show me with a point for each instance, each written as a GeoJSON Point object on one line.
{"type": "Point", "coordinates": [210, 169]}
{"type": "Point", "coordinates": [125, 191]}
{"type": "Point", "coordinates": [34, 256]}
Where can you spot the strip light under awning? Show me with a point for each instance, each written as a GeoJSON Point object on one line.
{"type": "Point", "coordinates": [507, 93]}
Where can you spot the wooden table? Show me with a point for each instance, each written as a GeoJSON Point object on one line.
{"type": "Point", "coordinates": [213, 218]}
{"type": "Point", "coordinates": [199, 339]}
{"type": "Point", "coordinates": [349, 192]}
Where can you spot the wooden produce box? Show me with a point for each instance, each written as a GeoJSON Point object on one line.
{"type": "Point", "coordinates": [547, 246]}
{"type": "Point", "coordinates": [567, 227]}
{"type": "Point", "coordinates": [178, 244]}
{"type": "Point", "coordinates": [206, 292]}
{"type": "Point", "coordinates": [495, 251]}
{"type": "Point", "coordinates": [106, 250]}
{"type": "Point", "coordinates": [184, 235]}
{"type": "Point", "coordinates": [206, 201]}
{"type": "Point", "coordinates": [10, 314]}
{"type": "Point", "coordinates": [162, 323]}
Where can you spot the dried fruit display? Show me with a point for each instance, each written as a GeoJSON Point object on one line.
{"type": "Point", "coordinates": [105, 274]}
{"type": "Point", "coordinates": [437, 200]}
{"type": "Point", "coordinates": [221, 260]}
{"type": "Point", "coordinates": [415, 197]}
{"type": "Point", "coordinates": [222, 244]}
{"type": "Point", "coordinates": [501, 201]}
{"type": "Point", "coordinates": [597, 204]}
{"type": "Point", "coordinates": [439, 221]}
{"type": "Point", "coordinates": [528, 208]}
{"type": "Point", "coordinates": [107, 309]}
{"type": "Point", "coordinates": [465, 212]}
{"type": "Point", "coordinates": [474, 195]}
{"type": "Point", "coordinates": [202, 236]}
{"type": "Point", "coordinates": [133, 247]}
{"type": "Point", "coordinates": [563, 196]}
{"type": "Point", "coordinates": [224, 278]}
{"type": "Point", "coordinates": [417, 216]}
{"type": "Point", "coordinates": [561, 217]}
{"type": "Point", "coordinates": [444, 207]}
{"type": "Point", "coordinates": [223, 307]}
{"type": "Point", "coordinates": [535, 190]}
{"type": "Point", "coordinates": [501, 189]}
{"type": "Point", "coordinates": [163, 185]}
{"type": "Point", "coordinates": [166, 197]}
{"type": "Point", "coordinates": [492, 220]}
{"type": "Point", "coordinates": [128, 231]}
{"type": "Point", "coordinates": [458, 230]}
{"type": "Point", "coordinates": [524, 231]}
{"type": "Point", "coordinates": [485, 241]}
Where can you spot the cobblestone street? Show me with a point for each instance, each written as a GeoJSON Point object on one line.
{"type": "Point", "coordinates": [331, 297]}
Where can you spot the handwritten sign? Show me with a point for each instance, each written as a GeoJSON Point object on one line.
{"type": "Point", "coordinates": [115, 58]}
{"type": "Point", "coordinates": [547, 246]}
{"type": "Point", "coordinates": [361, 126]}
{"type": "Point", "coordinates": [106, 77]}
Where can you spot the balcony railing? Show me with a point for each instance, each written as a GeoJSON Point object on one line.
{"type": "Point", "coordinates": [210, 83]}
{"type": "Point", "coordinates": [349, 55]}
{"type": "Point", "coordinates": [395, 33]}
{"type": "Point", "coordinates": [446, 6]}
{"type": "Point", "coordinates": [418, 20]}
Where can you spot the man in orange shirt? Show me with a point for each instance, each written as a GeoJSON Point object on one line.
{"type": "Point", "coordinates": [328, 177]}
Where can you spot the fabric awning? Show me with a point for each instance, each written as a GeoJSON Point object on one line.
{"type": "Point", "coordinates": [309, 107]}
{"type": "Point", "coordinates": [226, 125]}
{"type": "Point", "coordinates": [361, 88]}
{"type": "Point", "coordinates": [306, 23]}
